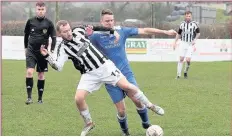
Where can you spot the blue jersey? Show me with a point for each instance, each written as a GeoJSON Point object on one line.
{"type": "Point", "coordinates": [116, 52]}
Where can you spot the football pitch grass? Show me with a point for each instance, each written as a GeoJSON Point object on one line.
{"type": "Point", "coordinates": [199, 105]}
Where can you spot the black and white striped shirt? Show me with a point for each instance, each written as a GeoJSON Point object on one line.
{"type": "Point", "coordinates": [80, 50]}
{"type": "Point", "coordinates": [188, 31]}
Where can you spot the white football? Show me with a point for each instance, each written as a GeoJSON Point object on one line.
{"type": "Point", "coordinates": [154, 130]}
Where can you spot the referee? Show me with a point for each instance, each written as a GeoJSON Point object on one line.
{"type": "Point", "coordinates": [189, 32]}
{"type": "Point", "coordinates": [37, 32]}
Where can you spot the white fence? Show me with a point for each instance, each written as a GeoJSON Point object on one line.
{"type": "Point", "coordinates": [142, 49]}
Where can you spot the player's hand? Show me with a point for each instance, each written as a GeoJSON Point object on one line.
{"type": "Point", "coordinates": [193, 42]}
{"type": "Point", "coordinates": [43, 50]}
{"type": "Point", "coordinates": [194, 48]}
{"type": "Point", "coordinates": [89, 30]}
{"type": "Point", "coordinates": [171, 32]}
{"type": "Point", "coordinates": [117, 37]}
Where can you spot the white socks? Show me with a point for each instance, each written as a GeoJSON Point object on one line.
{"type": "Point", "coordinates": [86, 116]}
{"type": "Point", "coordinates": [179, 68]}
{"type": "Point", "coordinates": [143, 99]}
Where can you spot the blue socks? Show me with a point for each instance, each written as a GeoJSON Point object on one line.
{"type": "Point", "coordinates": [144, 117]}
{"type": "Point", "coordinates": [123, 123]}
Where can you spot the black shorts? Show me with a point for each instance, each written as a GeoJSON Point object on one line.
{"type": "Point", "coordinates": [35, 58]}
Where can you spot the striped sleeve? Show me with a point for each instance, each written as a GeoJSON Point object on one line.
{"type": "Point", "coordinates": [197, 29]}
{"type": "Point", "coordinates": [195, 23]}
{"type": "Point", "coordinates": [62, 57]}
{"type": "Point", "coordinates": [104, 29]}
{"type": "Point", "coordinates": [180, 28]}
{"type": "Point", "coordinates": [80, 30]}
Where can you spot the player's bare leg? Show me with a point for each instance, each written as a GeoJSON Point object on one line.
{"type": "Point", "coordinates": [84, 111]}
{"type": "Point", "coordinates": [179, 67]}
{"type": "Point", "coordinates": [133, 91]}
{"type": "Point", "coordinates": [187, 65]}
{"type": "Point", "coordinates": [29, 84]}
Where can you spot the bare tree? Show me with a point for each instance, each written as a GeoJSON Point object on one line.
{"type": "Point", "coordinates": [6, 3]}
{"type": "Point", "coordinates": [57, 12]}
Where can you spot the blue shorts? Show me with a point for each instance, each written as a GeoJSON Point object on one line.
{"type": "Point", "coordinates": [118, 94]}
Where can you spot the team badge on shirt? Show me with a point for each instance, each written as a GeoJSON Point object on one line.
{"type": "Point", "coordinates": [45, 31]}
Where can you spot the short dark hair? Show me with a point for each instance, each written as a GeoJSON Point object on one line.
{"type": "Point", "coordinates": [61, 23]}
{"type": "Point", "coordinates": [106, 12]}
{"type": "Point", "coordinates": [187, 12]}
{"type": "Point", "coordinates": [40, 4]}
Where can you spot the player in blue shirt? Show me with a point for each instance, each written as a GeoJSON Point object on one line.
{"type": "Point", "coordinates": [116, 52]}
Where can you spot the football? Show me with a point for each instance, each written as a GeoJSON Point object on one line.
{"type": "Point", "coordinates": [154, 130]}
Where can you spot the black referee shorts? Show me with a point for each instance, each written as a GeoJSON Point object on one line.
{"type": "Point", "coordinates": [36, 59]}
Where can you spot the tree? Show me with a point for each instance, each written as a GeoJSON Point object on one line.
{"type": "Point", "coordinates": [30, 12]}
{"type": "Point", "coordinates": [118, 8]}
{"type": "Point", "coordinates": [6, 3]}
{"type": "Point", "coordinates": [57, 12]}
{"type": "Point", "coordinates": [13, 12]}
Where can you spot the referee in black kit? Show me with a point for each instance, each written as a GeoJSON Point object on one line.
{"type": "Point", "coordinates": [37, 32]}
{"type": "Point", "coordinates": [189, 32]}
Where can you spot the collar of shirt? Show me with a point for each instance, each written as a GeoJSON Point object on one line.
{"type": "Point", "coordinates": [40, 18]}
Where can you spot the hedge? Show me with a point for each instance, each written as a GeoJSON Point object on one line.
{"type": "Point", "coordinates": [217, 31]}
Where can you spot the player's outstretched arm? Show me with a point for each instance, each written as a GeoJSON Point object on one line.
{"type": "Point", "coordinates": [101, 28]}
{"type": "Point", "coordinates": [55, 64]}
{"type": "Point", "coordinates": [110, 30]}
{"type": "Point", "coordinates": [152, 31]}
{"type": "Point", "coordinates": [89, 30]}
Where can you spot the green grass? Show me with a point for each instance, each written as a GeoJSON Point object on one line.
{"type": "Point", "coordinates": [199, 105]}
